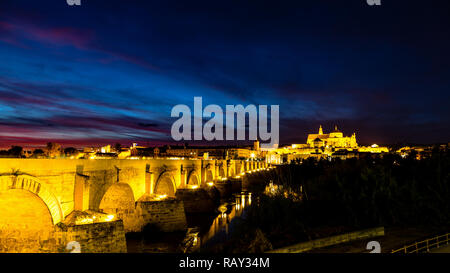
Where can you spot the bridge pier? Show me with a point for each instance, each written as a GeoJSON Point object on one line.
{"type": "Point", "coordinates": [204, 199]}
{"type": "Point", "coordinates": [183, 177]}
{"type": "Point", "coordinates": [149, 180]}
{"type": "Point", "coordinates": [165, 215]}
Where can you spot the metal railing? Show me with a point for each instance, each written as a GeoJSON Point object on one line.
{"type": "Point", "coordinates": [425, 245]}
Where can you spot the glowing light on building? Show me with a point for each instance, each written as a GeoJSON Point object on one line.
{"type": "Point", "coordinates": [210, 184]}
{"type": "Point", "coordinates": [161, 196]}
{"type": "Point", "coordinates": [85, 221]}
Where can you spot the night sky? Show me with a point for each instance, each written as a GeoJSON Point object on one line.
{"type": "Point", "coordinates": [111, 71]}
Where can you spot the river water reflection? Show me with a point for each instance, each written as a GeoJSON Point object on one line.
{"type": "Point", "coordinates": [229, 210]}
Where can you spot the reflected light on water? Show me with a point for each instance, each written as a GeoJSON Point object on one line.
{"type": "Point", "coordinates": [223, 220]}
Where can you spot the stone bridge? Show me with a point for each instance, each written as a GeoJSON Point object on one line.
{"type": "Point", "coordinates": [44, 203]}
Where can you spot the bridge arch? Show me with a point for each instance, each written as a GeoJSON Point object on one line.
{"type": "Point", "coordinates": [241, 166]}
{"type": "Point", "coordinates": [33, 185]}
{"type": "Point", "coordinates": [165, 184]}
{"type": "Point", "coordinates": [27, 216]}
{"type": "Point", "coordinates": [119, 196]}
{"type": "Point", "coordinates": [231, 171]}
{"type": "Point", "coordinates": [222, 171]}
{"type": "Point", "coordinates": [193, 178]}
{"type": "Point", "coordinates": [119, 200]}
{"type": "Point", "coordinates": [25, 222]}
{"type": "Point", "coordinates": [209, 176]}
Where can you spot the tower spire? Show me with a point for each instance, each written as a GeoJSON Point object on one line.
{"type": "Point", "coordinates": [320, 130]}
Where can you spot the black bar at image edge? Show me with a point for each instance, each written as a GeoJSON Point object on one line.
{"type": "Point", "coordinates": [230, 263]}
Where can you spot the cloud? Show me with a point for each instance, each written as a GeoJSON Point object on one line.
{"type": "Point", "coordinates": [19, 33]}
{"type": "Point", "coordinates": [45, 111]}
{"type": "Point", "coordinates": [55, 36]}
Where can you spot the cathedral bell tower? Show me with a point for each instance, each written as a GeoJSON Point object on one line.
{"type": "Point", "coordinates": [320, 130]}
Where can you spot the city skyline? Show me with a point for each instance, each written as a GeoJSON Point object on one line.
{"type": "Point", "coordinates": [99, 74]}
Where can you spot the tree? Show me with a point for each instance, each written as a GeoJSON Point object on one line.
{"type": "Point", "coordinates": [118, 147]}
{"type": "Point", "coordinates": [38, 152]}
{"type": "Point", "coordinates": [70, 151]}
{"type": "Point", "coordinates": [53, 149]}
{"type": "Point", "coordinates": [15, 151]}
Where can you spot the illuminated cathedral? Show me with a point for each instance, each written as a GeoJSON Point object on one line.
{"type": "Point", "coordinates": [322, 146]}
{"type": "Point", "coordinates": [334, 139]}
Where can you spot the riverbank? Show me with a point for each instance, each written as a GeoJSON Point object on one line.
{"type": "Point", "coordinates": [394, 238]}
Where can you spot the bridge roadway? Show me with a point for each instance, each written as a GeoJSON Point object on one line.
{"type": "Point", "coordinates": [38, 194]}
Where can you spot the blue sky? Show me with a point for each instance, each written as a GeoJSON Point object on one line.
{"type": "Point", "coordinates": [110, 71]}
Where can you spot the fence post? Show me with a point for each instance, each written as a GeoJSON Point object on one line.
{"type": "Point", "coordinates": [428, 249]}
{"type": "Point", "coordinates": [417, 249]}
